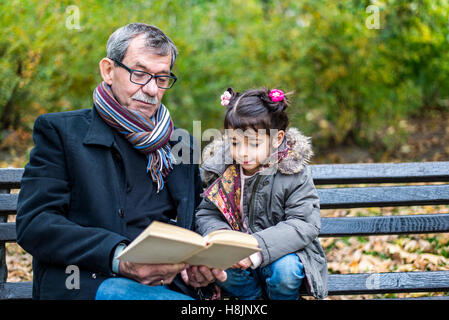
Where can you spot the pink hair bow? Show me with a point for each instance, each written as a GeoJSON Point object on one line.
{"type": "Point", "coordinates": [225, 98]}
{"type": "Point", "coordinates": [276, 95]}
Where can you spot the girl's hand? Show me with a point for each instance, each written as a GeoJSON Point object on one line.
{"type": "Point", "coordinates": [243, 264]}
{"type": "Point", "coordinates": [201, 276]}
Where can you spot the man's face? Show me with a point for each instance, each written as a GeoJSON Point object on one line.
{"type": "Point", "coordinates": [147, 98]}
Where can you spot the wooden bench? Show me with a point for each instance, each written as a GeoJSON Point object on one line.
{"type": "Point", "coordinates": [419, 189]}
{"type": "Point", "coordinates": [342, 196]}
{"type": "Point", "coordinates": [10, 179]}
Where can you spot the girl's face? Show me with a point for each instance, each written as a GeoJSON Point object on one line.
{"type": "Point", "coordinates": [250, 148]}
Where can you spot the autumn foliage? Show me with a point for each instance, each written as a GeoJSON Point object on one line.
{"type": "Point", "coordinates": [353, 81]}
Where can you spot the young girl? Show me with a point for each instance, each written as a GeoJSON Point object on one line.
{"type": "Point", "coordinates": [268, 194]}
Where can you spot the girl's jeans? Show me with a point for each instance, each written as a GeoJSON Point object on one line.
{"type": "Point", "coordinates": [280, 280]}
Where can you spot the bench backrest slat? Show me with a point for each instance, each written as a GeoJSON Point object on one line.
{"type": "Point", "coordinates": [338, 197]}
{"type": "Point", "coordinates": [10, 178]}
{"type": "Point", "coordinates": [388, 282]}
{"type": "Point", "coordinates": [381, 172]}
{"type": "Point", "coordinates": [383, 225]}
{"type": "Point", "coordinates": [342, 226]}
{"type": "Point", "coordinates": [16, 290]}
{"type": "Point", "coordinates": [8, 203]}
{"type": "Point", "coordinates": [328, 173]}
{"type": "Point", "coordinates": [362, 197]}
{"type": "Point", "coordinates": [8, 231]}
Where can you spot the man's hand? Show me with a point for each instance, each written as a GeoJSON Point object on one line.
{"type": "Point", "coordinates": [151, 274]}
{"type": "Point", "coordinates": [243, 264]}
{"type": "Point", "coordinates": [201, 276]}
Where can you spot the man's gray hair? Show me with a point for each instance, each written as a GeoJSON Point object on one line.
{"type": "Point", "coordinates": [156, 41]}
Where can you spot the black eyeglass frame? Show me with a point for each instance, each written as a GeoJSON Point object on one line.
{"type": "Point", "coordinates": [131, 71]}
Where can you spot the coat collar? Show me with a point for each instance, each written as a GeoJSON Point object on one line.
{"type": "Point", "coordinates": [99, 133]}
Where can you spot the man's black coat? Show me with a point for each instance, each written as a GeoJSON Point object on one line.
{"type": "Point", "coordinates": [70, 208]}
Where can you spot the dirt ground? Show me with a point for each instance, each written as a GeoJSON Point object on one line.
{"type": "Point", "coordinates": [427, 140]}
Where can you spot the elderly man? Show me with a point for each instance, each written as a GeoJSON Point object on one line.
{"type": "Point", "coordinates": [97, 177]}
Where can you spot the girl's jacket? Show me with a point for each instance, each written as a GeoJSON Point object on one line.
{"type": "Point", "coordinates": [280, 203]}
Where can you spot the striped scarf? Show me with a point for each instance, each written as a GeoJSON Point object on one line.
{"type": "Point", "coordinates": [148, 135]}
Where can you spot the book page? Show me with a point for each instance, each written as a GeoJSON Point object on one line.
{"type": "Point", "coordinates": [221, 256]}
{"type": "Point", "coordinates": [156, 250]}
{"type": "Point", "coordinates": [168, 231]}
{"type": "Point", "coordinates": [162, 243]}
{"type": "Point", "coordinates": [225, 248]}
{"type": "Point", "coordinates": [232, 237]}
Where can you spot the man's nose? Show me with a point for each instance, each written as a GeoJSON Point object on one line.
{"type": "Point", "coordinates": [150, 88]}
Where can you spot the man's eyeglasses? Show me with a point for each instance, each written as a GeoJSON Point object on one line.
{"type": "Point", "coordinates": [142, 77]}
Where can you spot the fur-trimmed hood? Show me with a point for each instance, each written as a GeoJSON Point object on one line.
{"type": "Point", "coordinates": [217, 156]}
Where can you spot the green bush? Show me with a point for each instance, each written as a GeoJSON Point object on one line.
{"type": "Point", "coordinates": [351, 84]}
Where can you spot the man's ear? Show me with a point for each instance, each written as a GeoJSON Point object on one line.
{"type": "Point", "coordinates": [278, 138]}
{"type": "Point", "coordinates": [107, 70]}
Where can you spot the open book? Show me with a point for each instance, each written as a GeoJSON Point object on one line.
{"type": "Point", "coordinates": [162, 243]}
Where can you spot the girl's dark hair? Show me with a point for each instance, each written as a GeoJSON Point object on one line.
{"type": "Point", "coordinates": [254, 109]}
